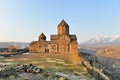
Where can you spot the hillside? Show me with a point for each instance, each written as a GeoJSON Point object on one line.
{"type": "Point", "coordinates": [105, 46]}
{"type": "Point", "coordinates": [109, 51]}
{"type": "Point", "coordinates": [106, 51]}
{"type": "Point", "coordinates": [16, 44]}
{"type": "Point", "coordinates": [55, 67]}
{"type": "Point", "coordinates": [108, 59]}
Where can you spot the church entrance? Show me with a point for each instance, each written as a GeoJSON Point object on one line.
{"type": "Point", "coordinates": [46, 50]}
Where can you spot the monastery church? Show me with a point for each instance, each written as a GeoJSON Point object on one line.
{"type": "Point", "coordinates": [62, 42]}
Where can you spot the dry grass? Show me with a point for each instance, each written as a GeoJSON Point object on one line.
{"type": "Point", "coordinates": [56, 62]}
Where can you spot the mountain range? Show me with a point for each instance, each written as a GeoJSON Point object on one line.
{"type": "Point", "coordinates": [18, 45]}
{"type": "Point", "coordinates": [115, 40]}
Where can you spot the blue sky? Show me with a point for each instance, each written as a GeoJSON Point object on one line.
{"type": "Point", "coordinates": [24, 20]}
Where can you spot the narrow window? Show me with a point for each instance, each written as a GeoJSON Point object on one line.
{"type": "Point", "coordinates": [46, 50]}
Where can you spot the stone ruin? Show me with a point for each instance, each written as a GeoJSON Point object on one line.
{"type": "Point", "coordinates": [29, 68]}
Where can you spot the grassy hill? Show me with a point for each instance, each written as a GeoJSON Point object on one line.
{"type": "Point", "coordinates": [61, 64]}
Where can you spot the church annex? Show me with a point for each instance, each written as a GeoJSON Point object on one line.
{"type": "Point", "coordinates": [62, 42]}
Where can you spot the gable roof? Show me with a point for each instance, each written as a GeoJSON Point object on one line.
{"type": "Point", "coordinates": [63, 22]}
{"type": "Point", "coordinates": [54, 37]}
{"type": "Point", "coordinates": [42, 35]}
{"type": "Point", "coordinates": [73, 37]}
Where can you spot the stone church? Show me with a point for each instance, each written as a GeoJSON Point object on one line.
{"type": "Point", "coordinates": [62, 42]}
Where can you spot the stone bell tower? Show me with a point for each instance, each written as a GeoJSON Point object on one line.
{"type": "Point", "coordinates": [42, 37]}
{"type": "Point", "coordinates": [63, 28]}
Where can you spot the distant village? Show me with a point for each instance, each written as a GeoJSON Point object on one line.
{"type": "Point", "coordinates": [12, 50]}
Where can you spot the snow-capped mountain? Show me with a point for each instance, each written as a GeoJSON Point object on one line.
{"type": "Point", "coordinates": [104, 40]}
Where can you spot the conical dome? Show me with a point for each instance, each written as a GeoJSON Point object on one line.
{"type": "Point", "coordinates": [62, 23]}
{"type": "Point", "coordinates": [63, 28]}
{"type": "Point", "coordinates": [42, 37]}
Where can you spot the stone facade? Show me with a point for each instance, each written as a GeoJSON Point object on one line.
{"type": "Point", "coordinates": [63, 42]}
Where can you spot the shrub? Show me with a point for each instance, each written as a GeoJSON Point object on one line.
{"type": "Point", "coordinates": [7, 72]}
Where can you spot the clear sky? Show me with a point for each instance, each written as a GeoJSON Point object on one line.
{"type": "Point", "coordinates": [24, 20]}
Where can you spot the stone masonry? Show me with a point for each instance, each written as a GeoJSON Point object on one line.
{"type": "Point", "coordinates": [63, 42]}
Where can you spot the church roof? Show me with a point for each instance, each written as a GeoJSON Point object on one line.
{"type": "Point", "coordinates": [54, 37]}
{"type": "Point", "coordinates": [73, 37]}
{"type": "Point", "coordinates": [42, 35]}
{"type": "Point", "coordinates": [63, 22]}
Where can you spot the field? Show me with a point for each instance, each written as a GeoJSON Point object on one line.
{"type": "Point", "coordinates": [62, 64]}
